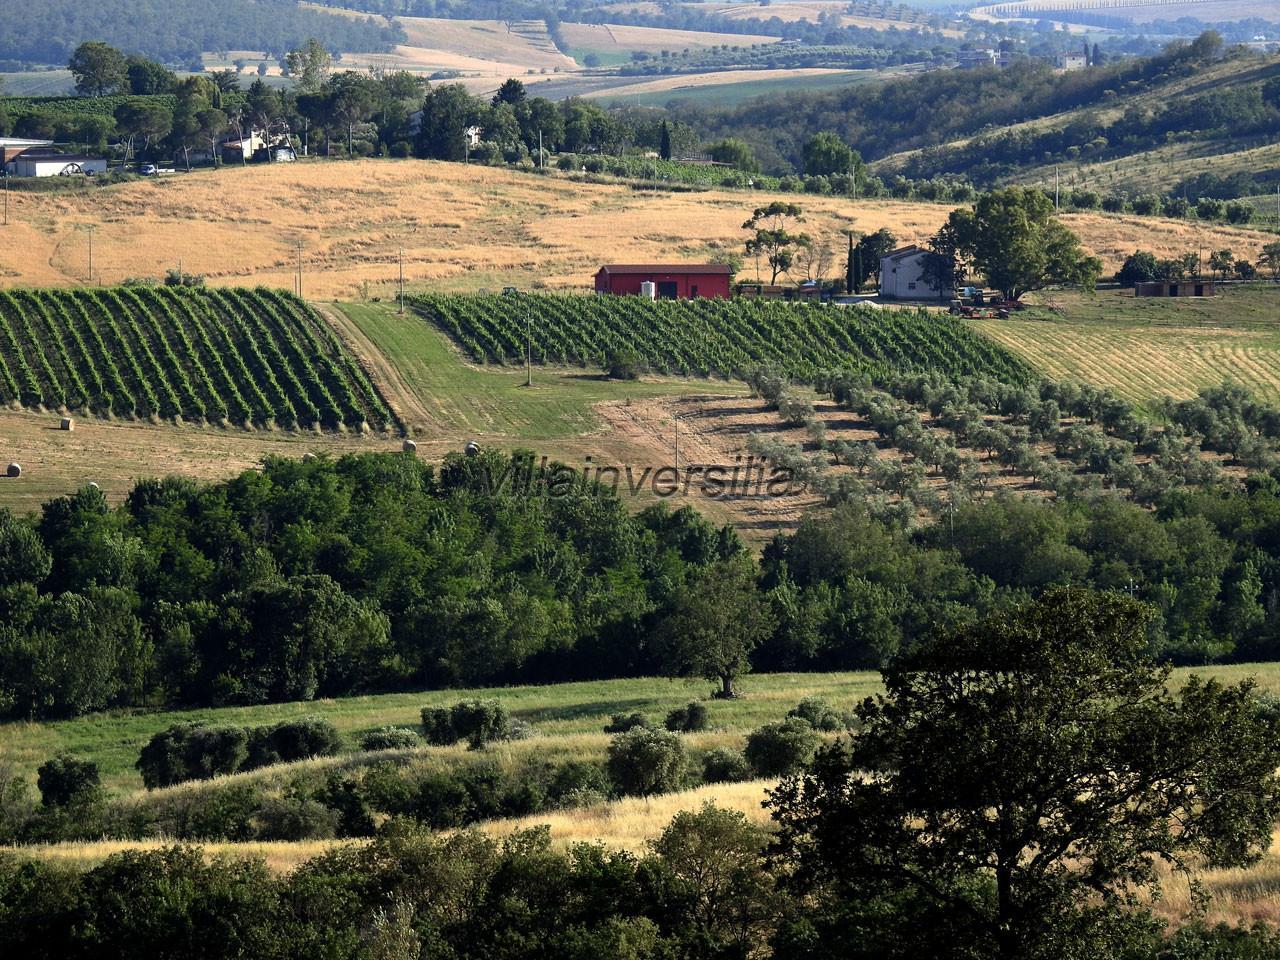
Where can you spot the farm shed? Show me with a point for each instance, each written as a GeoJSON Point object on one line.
{"type": "Point", "coordinates": [679, 281]}
{"type": "Point", "coordinates": [1174, 288]}
{"type": "Point", "coordinates": [55, 164]}
{"type": "Point", "coordinates": [12, 147]}
{"type": "Point", "coordinates": [902, 276]}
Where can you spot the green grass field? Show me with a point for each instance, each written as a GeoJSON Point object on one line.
{"type": "Point", "coordinates": [451, 394]}
{"type": "Point", "coordinates": [1148, 348]}
{"type": "Point", "coordinates": [557, 712]}
{"type": "Point", "coordinates": [568, 718]}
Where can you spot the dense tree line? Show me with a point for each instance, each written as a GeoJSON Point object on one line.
{"type": "Point", "coordinates": [177, 34]}
{"type": "Point", "coordinates": [321, 579]}
{"type": "Point", "coordinates": [933, 108]}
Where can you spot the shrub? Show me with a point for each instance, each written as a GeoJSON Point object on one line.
{"type": "Point", "coordinates": [623, 363]}
{"type": "Point", "coordinates": [779, 749]}
{"type": "Point", "coordinates": [518, 730]}
{"type": "Point", "coordinates": [794, 409]}
{"type": "Point", "coordinates": [293, 819]}
{"type": "Point", "coordinates": [390, 738]}
{"type": "Point", "coordinates": [688, 719]}
{"type": "Point", "coordinates": [65, 779]}
{"type": "Point", "coordinates": [479, 721]}
{"type": "Point", "coordinates": [622, 722]}
{"type": "Point", "coordinates": [645, 761]}
{"type": "Point", "coordinates": [192, 751]}
{"type": "Point", "coordinates": [437, 726]}
{"type": "Point", "coordinates": [577, 783]}
{"type": "Point", "coordinates": [818, 714]}
{"type": "Point", "coordinates": [723, 765]}
{"type": "Point", "coordinates": [292, 740]}
{"type": "Point", "coordinates": [225, 813]}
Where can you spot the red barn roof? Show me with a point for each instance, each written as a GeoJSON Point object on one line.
{"type": "Point", "coordinates": [668, 268]}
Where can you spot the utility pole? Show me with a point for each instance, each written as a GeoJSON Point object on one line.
{"type": "Point", "coordinates": [677, 444]}
{"type": "Point", "coordinates": [528, 351]}
{"type": "Point", "coordinates": [90, 227]}
{"type": "Point", "coordinates": [401, 310]}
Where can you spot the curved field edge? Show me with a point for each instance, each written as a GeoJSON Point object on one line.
{"type": "Point", "coordinates": [716, 338]}
{"type": "Point", "coordinates": [224, 356]}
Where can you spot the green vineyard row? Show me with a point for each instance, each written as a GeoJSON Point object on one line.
{"type": "Point", "coordinates": [234, 355]}
{"type": "Point", "coordinates": [722, 338]}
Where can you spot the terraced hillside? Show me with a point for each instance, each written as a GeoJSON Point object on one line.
{"type": "Point", "coordinates": [230, 355]}
{"type": "Point", "coordinates": [716, 337]}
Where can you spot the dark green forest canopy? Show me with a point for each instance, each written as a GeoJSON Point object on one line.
{"type": "Point", "coordinates": [374, 572]}
{"type": "Point", "coordinates": [178, 31]}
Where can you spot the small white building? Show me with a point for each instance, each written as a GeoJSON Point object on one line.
{"type": "Point", "coordinates": [902, 276]}
{"type": "Point", "coordinates": [31, 164]}
{"type": "Point", "coordinates": [1072, 61]}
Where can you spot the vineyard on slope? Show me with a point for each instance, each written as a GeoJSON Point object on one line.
{"type": "Point", "coordinates": [227, 355]}
{"type": "Point", "coordinates": [725, 338]}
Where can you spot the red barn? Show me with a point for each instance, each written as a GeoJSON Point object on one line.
{"type": "Point", "coordinates": [671, 281]}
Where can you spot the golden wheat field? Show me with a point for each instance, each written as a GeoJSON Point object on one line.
{"type": "Point", "coordinates": [461, 228]}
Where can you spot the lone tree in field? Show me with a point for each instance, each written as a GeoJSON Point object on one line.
{"type": "Point", "coordinates": [1014, 238]}
{"type": "Point", "coordinates": [773, 238]}
{"type": "Point", "coordinates": [1013, 790]}
{"type": "Point", "coordinates": [719, 618]}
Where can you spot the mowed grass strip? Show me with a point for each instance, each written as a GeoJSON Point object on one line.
{"type": "Point", "coordinates": [1146, 348]}
{"type": "Point", "coordinates": [493, 401]}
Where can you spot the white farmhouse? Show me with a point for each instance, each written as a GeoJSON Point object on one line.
{"type": "Point", "coordinates": [902, 276]}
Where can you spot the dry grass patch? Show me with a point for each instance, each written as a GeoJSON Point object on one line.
{"type": "Point", "coordinates": [462, 227]}
{"type": "Point", "coordinates": [280, 856]}
{"type": "Point", "coordinates": [614, 38]}
{"type": "Point", "coordinates": [692, 81]}
{"type": "Point", "coordinates": [629, 824]}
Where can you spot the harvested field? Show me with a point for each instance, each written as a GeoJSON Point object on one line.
{"type": "Point", "coordinates": [1146, 348]}
{"type": "Point", "coordinates": [613, 38]}
{"type": "Point", "coordinates": [678, 84]}
{"type": "Point", "coordinates": [463, 228]}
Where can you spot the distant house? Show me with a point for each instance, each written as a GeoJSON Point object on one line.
{"type": "Point", "coordinates": [902, 276]}
{"type": "Point", "coordinates": [973, 59]}
{"type": "Point", "coordinates": [32, 164]}
{"type": "Point", "coordinates": [671, 281]}
{"type": "Point", "coordinates": [258, 145]}
{"type": "Point", "coordinates": [12, 147]}
{"type": "Point", "coordinates": [1072, 61]}
{"type": "Point", "coordinates": [1175, 288]}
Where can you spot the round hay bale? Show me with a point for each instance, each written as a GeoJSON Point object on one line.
{"type": "Point", "coordinates": [309, 458]}
{"type": "Point", "coordinates": [472, 449]}
{"type": "Point", "coordinates": [68, 423]}
{"type": "Point", "coordinates": [13, 470]}
{"type": "Point", "coordinates": [409, 446]}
